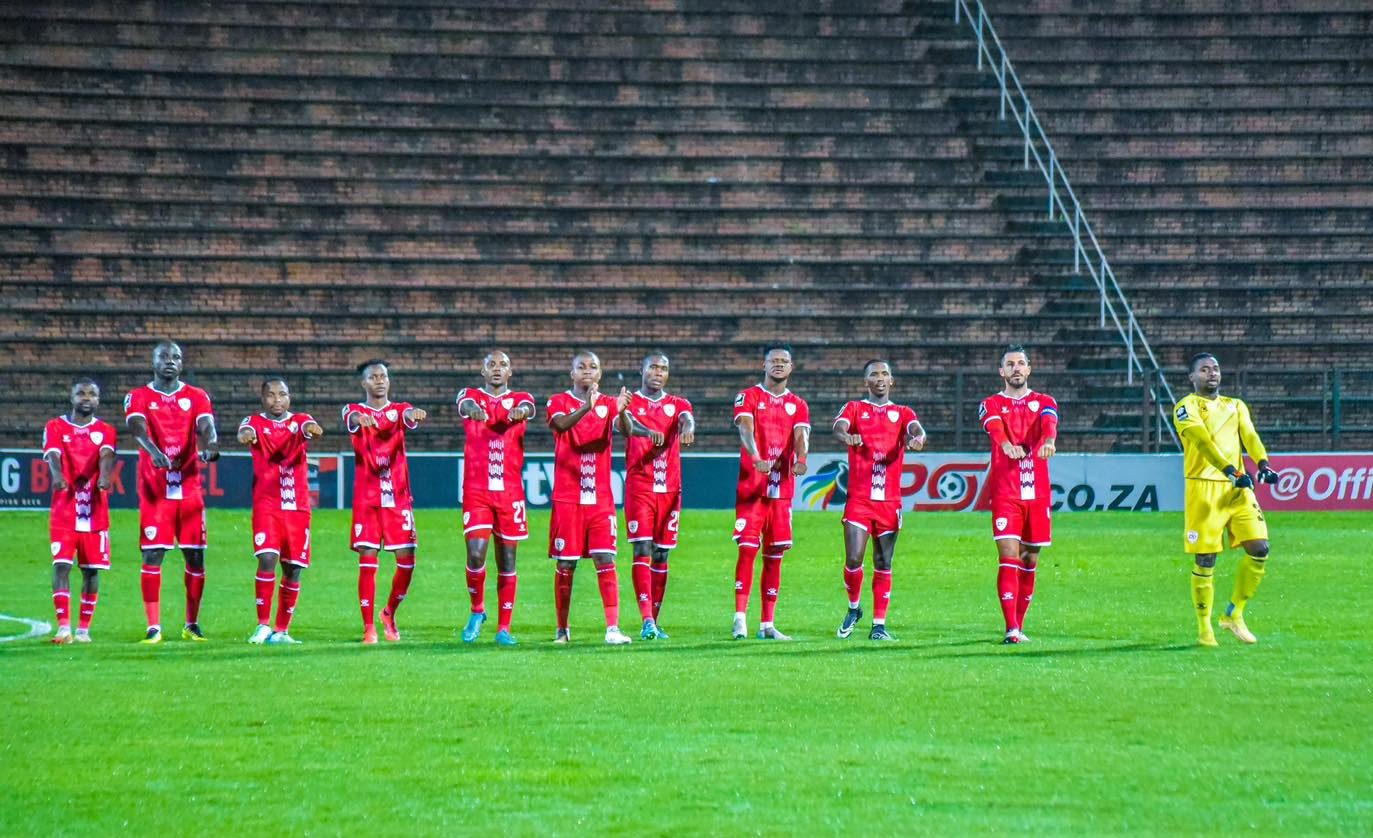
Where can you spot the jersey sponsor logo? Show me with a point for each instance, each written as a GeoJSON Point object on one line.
{"type": "Point", "coordinates": [149, 532]}
{"type": "Point", "coordinates": [893, 415]}
{"type": "Point", "coordinates": [669, 409]}
{"type": "Point", "coordinates": [1001, 524]}
{"type": "Point", "coordinates": [602, 410]}
{"type": "Point", "coordinates": [790, 409]}
{"type": "Point", "coordinates": [260, 538]}
{"type": "Point", "coordinates": [97, 437]}
{"type": "Point", "coordinates": [391, 414]}
{"type": "Point", "coordinates": [184, 403]}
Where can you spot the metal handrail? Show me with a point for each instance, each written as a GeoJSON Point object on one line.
{"type": "Point", "coordinates": [1113, 301]}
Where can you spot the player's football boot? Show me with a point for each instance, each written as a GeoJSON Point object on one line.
{"type": "Point", "coordinates": [771, 633]}
{"type": "Point", "coordinates": [281, 638]}
{"type": "Point", "coordinates": [1012, 638]}
{"type": "Point", "coordinates": [615, 637]}
{"type": "Point", "coordinates": [369, 635]}
{"type": "Point", "coordinates": [850, 620]}
{"type": "Point", "coordinates": [63, 636]}
{"type": "Point", "coordinates": [82, 636]}
{"type": "Point", "coordinates": [1024, 638]}
{"type": "Point", "coordinates": [740, 630]}
{"type": "Point", "coordinates": [388, 627]}
{"type": "Point", "coordinates": [1233, 622]}
{"type": "Point", "coordinates": [191, 631]}
{"type": "Point", "coordinates": [473, 629]}
{"type": "Point", "coordinates": [152, 638]}
{"type": "Point", "coordinates": [662, 635]}
{"type": "Point", "coordinates": [504, 638]}
{"type": "Point", "coordinates": [260, 635]}
{"type": "Point", "coordinates": [650, 630]}
{"type": "Point", "coordinates": [563, 636]}
{"type": "Point", "coordinates": [879, 632]}
{"type": "Point", "coordinates": [1207, 638]}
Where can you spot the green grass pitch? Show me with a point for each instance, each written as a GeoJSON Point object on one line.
{"type": "Point", "coordinates": [1111, 721]}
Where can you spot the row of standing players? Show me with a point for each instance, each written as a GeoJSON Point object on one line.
{"type": "Point", "coordinates": [173, 425]}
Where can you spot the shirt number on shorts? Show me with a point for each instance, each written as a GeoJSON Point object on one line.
{"type": "Point", "coordinates": [517, 507]}
{"type": "Point", "coordinates": [105, 541]}
{"type": "Point", "coordinates": [672, 522]}
{"type": "Point", "coordinates": [409, 520]}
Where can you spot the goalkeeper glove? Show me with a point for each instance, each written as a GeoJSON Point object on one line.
{"type": "Point", "coordinates": [1239, 478]}
{"type": "Point", "coordinates": [1266, 473]}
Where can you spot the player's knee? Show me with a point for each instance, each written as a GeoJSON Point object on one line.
{"type": "Point", "coordinates": [1029, 558]}
{"type": "Point", "coordinates": [291, 572]}
{"type": "Point", "coordinates": [643, 549]}
{"type": "Point", "coordinates": [61, 573]}
{"type": "Point", "coordinates": [1257, 548]}
{"type": "Point", "coordinates": [1206, 560]}
{"type": "Point", "coordinates": [603, 559]}
{"type": "Point", "coordinates": [153, 557]}
{"type": "Point", "coordinates": [660, 555]}
{"type": "Point", "coordinates": [267, 562]}
{"type": "Point", "coordinates": [476, 552]}
{"type": "Point", "coordinates": [405, 553]}
{"type": "Point", "coordinates": [567, 566]}
{"type": "Point", "coordinates": [195, 559]}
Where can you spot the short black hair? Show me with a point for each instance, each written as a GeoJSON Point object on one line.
{"type": "Point", "coordinates": [82, 382]}
{"type": "Point", "coordinates": [774, 347]}
{"type": "Point", "coordinates": [1197, 359]}
{"type": "Point", "coordinates": [650, 356]}
{"type": "Point", "coordinates": [374, 362]}
{"type": "Point", "coordinates": [272, 379]}
{"type": "Point", "coordinates": [584, 353]}
{"type": "Point", "coordinates": [1015, 347]}
{"type": "Point", "coordinates": [165, 343]}
{"type": "Point", "coordinates": [872, 361]}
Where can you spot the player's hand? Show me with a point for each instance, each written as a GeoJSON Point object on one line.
{"type": "Point", "coordinates": [210, 454]}
{"type": "Point", "coordinates": [59, 483]}
{"type": "Point", "coordinates": [1267, 474]}
{"type": "Point", "coordinates": [799, 468]}
{"type": "Point", "coordinates": [365, 420]}
{"type": "Point", "coordinates": [656, 437]}
{"type": "Point", "coordinates": [474, 411]}
{"type": "Point", "coordinates": [313, 431]}
{"type": "Point", "coordinates": [852, 440]}
{"type": "Point", "coordinates": [416, 415]}
{"type": "Point", "coordinates": [916, 443]}
{"type": "Point", "coordinates": [519, 414]}
{"type": "Point", "coordinates": [103, 484]}
{"type": "Point", "coordinates": [1047, 450]}
{"type": "Point", "coordinates": [1015, 452]}
{"type": "Point", "coordinates": [160, 460]}
{"type": "Point", "coordinates": [1241, 479]}
{"type": "Point", "coordinates": [688, 437]}
{"type": "Point", "coordinates": [761, 465]}
{"type": "Point", "coordinates": [622, 404]}
{"type": "Point", "coordinates": [248, 436]}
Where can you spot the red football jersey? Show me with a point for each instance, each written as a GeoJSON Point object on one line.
{"type": "Point", "coordinates": [493, 451]}
{"type": "Point", "coordinates": [171, 419]}
{"type": "Point", "coordinates": [581, 454]}
{"type": "Point", "coordinates": [774, 420]}
{"type": "Point", "coordinates": [381, 477]}
{"type": "Point", "coordinates": [650, 468]}
{"type": "Point", "coordinates": [1024, 420]}
{"type": "Point", "coordinates": [876, 466]}
{"type": "Point", "coordinates": [281, 468]}
{"type": "Point", "coordinates": [81, 507]}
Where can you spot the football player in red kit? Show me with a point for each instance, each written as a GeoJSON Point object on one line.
{"type": "Point", "coordinates": [774, 439]}
{"type": "Point", "coordinates": [877, 433]}
{"type": "Point", "coordinates": [279, 440]}
{"type": "Point", "coordinates": [174, 426]}
{"type": "Point", "coordinates": [1023, 426]}
{"type": "Point", "coordinates": [79, 451]}
{"type": "Point", "coordinates": [493, 503]}
{"type": "Point", "coordinates": [383, 513]}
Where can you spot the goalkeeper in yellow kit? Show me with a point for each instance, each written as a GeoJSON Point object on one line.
{"type": "Point", "coordinates": [1220, 495]}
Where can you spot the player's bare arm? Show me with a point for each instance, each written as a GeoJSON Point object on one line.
{"type": "Point", "coordinates": [841, 433]}
{"type": "Point", "coordinates": [107, 464]}
{"type": "Point", "coordinates": [915, 439]}
{"type": "Point", "coordinates": [687, 428]}
{"type": "Point", "coordinates": [209, 439]}
{"type": "Point", "coordinates": [633, 427]}
{"type": "Point", "coordinates": [138, 426]}
{"type": "Point", "coordinates": [801, 442]}
{"type": "Point", "coordinates": [470, 409]}
{"type": "Point", "coordinates": [359, 420]}
{"type": "Point", "coordinates": [54, 461]}
{"type": "Point", "coordinates": [750, 446]}
{"type": "Point", "coordinates": [416, 415]}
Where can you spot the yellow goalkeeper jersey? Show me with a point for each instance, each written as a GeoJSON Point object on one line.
{"type": "Point", "coordinates": [1212, 431]}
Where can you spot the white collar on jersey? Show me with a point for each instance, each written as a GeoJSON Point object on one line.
{"type": "Point", "coordinates": [662, 394]}
{"type": "Point", "coordinates": [889, 403]}
{"type": "Point", "coordinates": [369, 407]}
{"type": "Point", "coordinates": [771, 395]}
{"type": "Point", "coordinates": [288, 417]}
{"type": "Point", "coordinates": [67, 419]}
{"type": "Point", "coordinates": [152, 385]}
{"type": "Point", "coordinates": [1028, 393]}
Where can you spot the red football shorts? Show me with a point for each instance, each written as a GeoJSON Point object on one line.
{"type": "Point", "coordinates": [577, 531]}
{"type": "Point", "coordinates": [763, 522]}
{"type": "Point", "coordinates": [85, 549]}
{"type": "Point", "coordinates": [1028, 522]}
{"type": "Point", "coordinates": [505, 515]}
{"type": "Point", "coordinates": [164, 524]}
{"type": "Point", "coordinates": [383, 528]}
{"type": "Point", "coordinates": [285, 532]}
{"type": "Point", "coordinates": [654, 516]}
{"type": "Point", "coordinates": [877, 519]}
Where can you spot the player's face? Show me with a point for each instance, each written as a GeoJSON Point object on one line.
{"type": "Point", "coordinates": [1206, 377]}
{"type": "Point", "coordinates": [655, 374]}
{"type": "Point", "coordinates": [586, 370]}
{"type": "Point", "coordinates": [1015, 369]}
{"type": "Point", "coordinates": [167, 361]}
{"type": "Point", "coordinates": [376, 381]}
{"type": "Point", "coordinates": [85, 399]}
{"type": "Point", "coordinates": [878, 379]}
{"type": "Point", "coordinates": [496, 369]}
{"type": "Point", "coordinates": [276, 399]}
{"type": "Point", "coordinates": [777, 365]}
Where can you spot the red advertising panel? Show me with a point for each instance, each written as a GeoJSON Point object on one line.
{"type": "Point", "coordinates": [1315, 482]}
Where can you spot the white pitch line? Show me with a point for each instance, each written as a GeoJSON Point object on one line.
{"type": "Point", "coordinates": [37, 628]}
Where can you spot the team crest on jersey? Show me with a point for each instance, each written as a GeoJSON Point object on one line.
{"type": "Point", "coordinates": [149, 532]}
{"type": "Point", "coordinates": [56, 548]}
{"type": "Point", "coordinates": [293, 427]}
{"type": "Point", "coordinates": [183, 403]}
{"type": "Point", "coordinates": [357, 530]}
{"type": "Point", "coordinates": [97, 437]}
{"type": "Point", "coordinates": [391, 414]}
{"type": "Point", "coordinates": [893, 415]}
{"type": "Point", "coordinates": [669, 409]}
{"type": "Point", "coordinates": [466, 518]}
{"type": "Point", "coordinates": [633, 527]}
{"type": "Point", "coordinates": [1033, 406]}
{"type": "Point", "coordinates": [1001, 523]}
{"type": "Point", "coordinates": [602, 410]}
{"type": "Point", "coordinates": [790, 409]}
{"type": "Point", "coordinates": [739, 524]}
{"type": "Point", "coordinates": [1192, 536]}
{"type": "Point", "coordinates": [559, 544]}
{"type": "Point", "coordinates": [260, 538]}
{"type": "Point", "coordinates": [507, 403]}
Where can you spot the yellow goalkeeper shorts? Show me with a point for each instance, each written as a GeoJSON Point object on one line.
{"type": "Point", "coordinates": [1211, 507]}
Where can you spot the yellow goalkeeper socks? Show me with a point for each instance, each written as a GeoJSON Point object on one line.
{"type": "Point", "coordinates": [1247, 579]}
{"type": "Point", "coordinates": [1203, 595]}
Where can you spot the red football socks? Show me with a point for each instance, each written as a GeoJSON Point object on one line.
{"type": "Point", "coordinates": [62, 604]}
{"type": "Point", "coordinates": [262, 596]}
{"type": "Point", "coordinates": [195, 589]}
{"type": "Point", "coordinates": [658, 586]}
{"type": "Point", "coordinates": [1027, 593]}
{"type": "Point", "coordinates": [151, 582]}
{"type": "Point", "coordinates": [400, 584]}
{"type": "Point", "coordinates": [562, 594]}
{"type": "Point", "coordinates": [505, 596]}
{"type": "Point", "coordinates": [87, 610]}
{"type": "Point", "coordinates": [853, 583]}
{"type": "Point", "coordinates": [476, 588]}
{"type": "Point", "coordinates": [643, 588]}
{"type": "Point", "coordinates": [1008, 591]}
{"type": "Point", "coordinates": [772, 582]}
{"type": "Point", "coordinates": [367, 593]}
{"type": "Point", "coordinates": [286, 604]}
{"type": "Point", "coordinates": [743, 577]}
{"type": "Point", "coordinates": [881, 594]}
{"type": "Point", "coordinates": [609, 583]}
